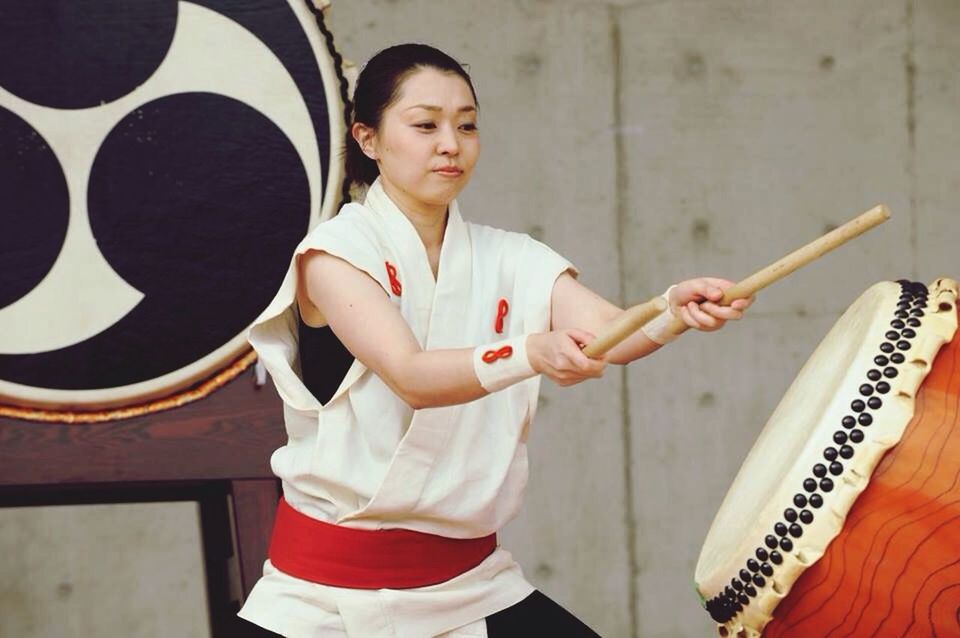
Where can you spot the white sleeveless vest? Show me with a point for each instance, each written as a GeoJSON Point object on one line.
{"type": "Point", "coordinates": [365, 459]}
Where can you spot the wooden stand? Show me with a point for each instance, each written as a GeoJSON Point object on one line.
{"type": "Point", "coordinates": [215, 451]}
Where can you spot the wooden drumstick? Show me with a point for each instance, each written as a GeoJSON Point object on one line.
{"type": "Point", "coordinates": [803, 256]}
{"type": "Point", "coordinates": [618, 330]}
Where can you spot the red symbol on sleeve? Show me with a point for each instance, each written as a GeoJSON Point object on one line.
{"type": "Point", "coordinates": [394, 282]}
{"type": "Point", "coordinates": [502, 309]}
{"type": "Point", "coordinates": [492, 355]}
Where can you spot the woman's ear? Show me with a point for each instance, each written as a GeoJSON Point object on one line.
{"type": "Point", "coordinates": [365, 136]}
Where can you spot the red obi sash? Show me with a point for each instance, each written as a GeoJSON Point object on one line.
{"type": "Point", "coordinates": [369, 559]}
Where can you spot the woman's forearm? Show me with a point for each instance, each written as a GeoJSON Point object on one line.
{"type": "Point", "coordinates": [435, 378]}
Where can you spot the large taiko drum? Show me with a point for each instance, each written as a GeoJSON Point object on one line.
{"type": "Point", "coordinates": [844, 520]}
{"type": "Point", "coordinates": [157, 169]}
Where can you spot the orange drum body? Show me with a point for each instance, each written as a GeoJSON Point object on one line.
{"type": "Point", "coordinates": [894, 569]}
{"type": "Point", "coordinates": [844, 520]}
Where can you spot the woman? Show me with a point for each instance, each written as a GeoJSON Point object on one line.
{"type": "Point", "coordinates": [406, 446]}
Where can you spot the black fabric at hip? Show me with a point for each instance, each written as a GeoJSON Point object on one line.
{"type": "Point", "coordinates": [324, 360]}
{"type": "Point", "coordinates": [537, 615]}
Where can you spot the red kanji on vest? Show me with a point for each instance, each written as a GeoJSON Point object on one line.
{"type": "Point", "coordinates": [394, 282]}
{"type": "Point", "coordinates": [502, 309]}
{"type": "Point", "coordinates": [492, 355]}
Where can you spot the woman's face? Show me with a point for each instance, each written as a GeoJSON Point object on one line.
{"type": "Point", "coordinates": [427, 143]}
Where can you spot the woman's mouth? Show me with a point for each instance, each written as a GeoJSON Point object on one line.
{"type": "Point", "coordinates": [449, 171]}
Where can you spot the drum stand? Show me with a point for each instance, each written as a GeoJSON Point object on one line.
{"type": "Point", "coordinates": [214, 451]}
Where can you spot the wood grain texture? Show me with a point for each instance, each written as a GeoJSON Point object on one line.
{"type": "Point", "coordinates": [254, 505]}
{"type": "Point", "coordinates": [229, 435]}
{"type": "Point", "coordinates": [894, 569]}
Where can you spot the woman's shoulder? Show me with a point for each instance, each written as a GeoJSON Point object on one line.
{"type": "Point", "coordinates": [491, 234]}
{"type": "Point", "coordinates": [352, 224]}
{"type": "Point", "coordinates": [350, 215]}
{"type": "Point", "coordinates": [351, 236]}
{"type": "Point", "coordinates": [507, 239]}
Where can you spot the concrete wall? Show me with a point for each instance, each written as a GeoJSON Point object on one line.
{"type": "Point", "coordinates": [105, 571]}
{"type": "Point", "coordinates": [652, 141]}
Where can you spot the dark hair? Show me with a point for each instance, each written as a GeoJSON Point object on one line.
{"type": "Point", "coordinates": [378, 87]}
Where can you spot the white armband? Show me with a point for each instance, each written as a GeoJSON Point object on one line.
{"type": "Point", "coordinates": [662, 329]}
{"type": "Point", "coordinates": [499, 365]}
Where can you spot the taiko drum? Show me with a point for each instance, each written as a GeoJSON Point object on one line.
{"type": "Point", "coordinates": [844, 520]}
{"type": "Point", "coordinates": [894, 569]}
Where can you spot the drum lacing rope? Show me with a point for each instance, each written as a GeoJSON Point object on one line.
{"type": "Point", "coordinates": [743, 586]}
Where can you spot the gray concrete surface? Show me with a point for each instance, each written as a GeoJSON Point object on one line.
{"type": "Point", "coordinates": [651, 141]}
{"type": "Point", "coordinates": [102, 571]}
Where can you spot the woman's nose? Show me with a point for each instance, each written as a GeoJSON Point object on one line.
{"type": "Point", "coordinates": [448, 144]}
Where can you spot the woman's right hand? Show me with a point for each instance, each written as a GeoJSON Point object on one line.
{"type": "Point", "coordinates": [558, 355]}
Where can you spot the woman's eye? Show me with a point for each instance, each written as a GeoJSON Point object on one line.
{"type": "Point", "coordinates": [425, 125]}
{"type": "Point", "coordinates": [469, 126]}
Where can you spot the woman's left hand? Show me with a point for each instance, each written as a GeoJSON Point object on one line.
{"type": "Point", "coordinates": [696, 302]}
